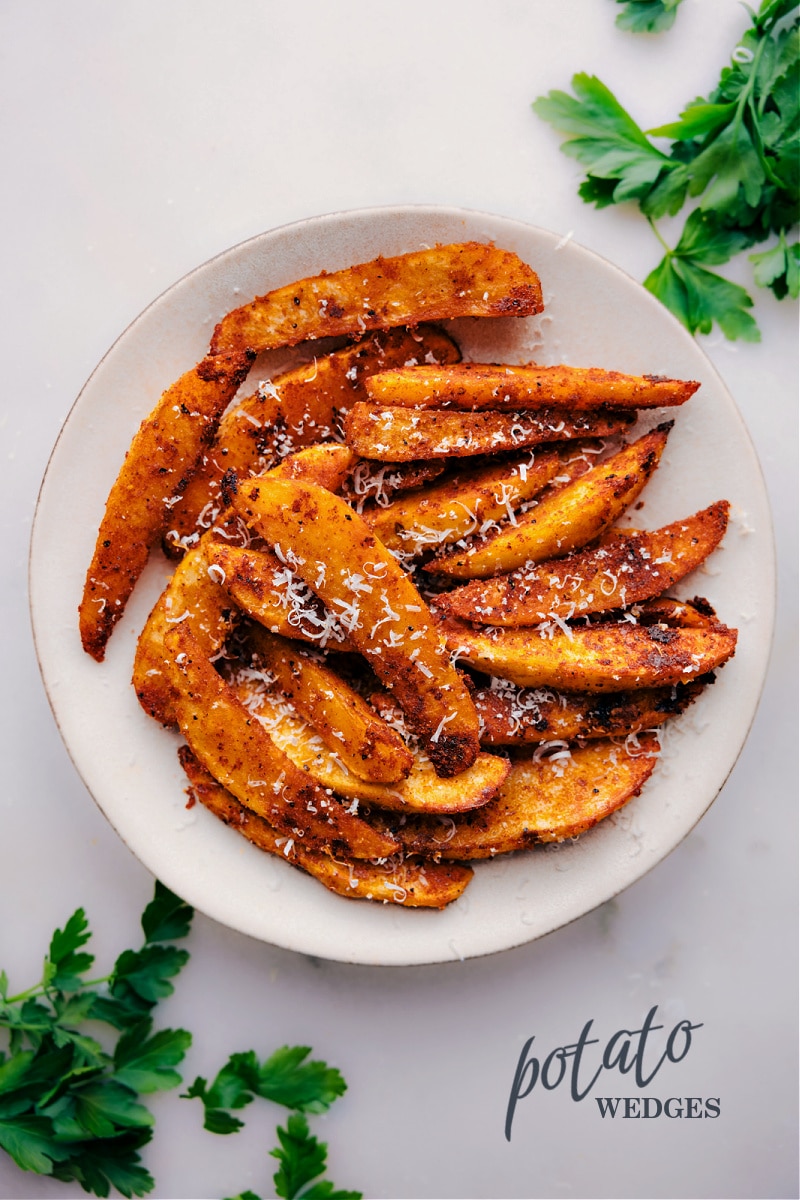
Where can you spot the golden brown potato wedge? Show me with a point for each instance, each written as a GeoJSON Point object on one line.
{"type": "Point", "coordinates": [467, 279]}
{"type": "Point", "coordinates": [469, 502]}
{"type": "Point", "coordinates": [402, 434]}
{"type": "Point", "coordinates": [332, 549]}
{"type": "Point", "coordinates": [624, 569]}
{"type": "Point", "coordinates": [328, 464]}
{"type": "Point", "coordinates": [192, 594]}
{"type": "Point", "coordinates": [377, 482]}
{"type": "Point", "coordinates": [421, 791]}
{"type": "Point", "coordinates": [514, 716]}
{"type": "Point", "coordinates": [565, 518]}
{"type": "Point", "coordinates": [299, 408]}
{"type": "Point", "coordinates": [363, 741]}
{"type": "Point", "coordinates": [267, 589]}
{"type": "Point", "coordinates": [240, 755]}
{"type": "Point", "coordinates": [545, 799]}
{"type": "Point", "coordinates": [506, 388]}
{"type": "Point", "coordinates": [401, 879]}
{"type": "Point", "coordinates": [606, 656]}
{"type": "Point", "coordinates": [161, 458]}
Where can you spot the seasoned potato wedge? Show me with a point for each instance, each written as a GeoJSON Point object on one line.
{"type": "Point", "coordinates": [368, 747]}
{"type": "Point", "coordinates": [193, 595]}
{"type": "Point", "coordinates": [607, 656]}
{"type": "Point", "coordinates": [565, 518]}
{"type": "Point", "coordinates": [515, 716]}
{"type": "Point", "coordinates": [240, 755]}
{"type": "Point", "coordinates": [296, 409]}
{"type": "Point", "coordinates": [466, 279]}
{"type": "Point", "coordinates": [469, 502]}
{"type": "Point", "coordinates": [402, 434]}
{"type": "Point", "coordinates": [401, 879]}
{"type": "Point", "coordinates": [377, 482]}
{"type": "Point", "coordinates": [333, 551]}
{"type": "Point", "coordinates": [624, 569]}
{"type": "Point", "coordinates": [510, 388]}
{"type": "Point", "coordinates": [162, 456]}
{"type": "Point", "coordinates": [544, 799]}
{"type": "Point", "coordinates": [269, 591]}
{"type": "Point", "coordinates": [421, 791]}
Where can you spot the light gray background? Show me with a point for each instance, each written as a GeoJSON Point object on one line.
{"type": "Point", "coordinates": [139, 140]}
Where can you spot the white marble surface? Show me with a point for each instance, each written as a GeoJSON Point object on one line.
{"type": "Point", "coordinates": [137, 142]}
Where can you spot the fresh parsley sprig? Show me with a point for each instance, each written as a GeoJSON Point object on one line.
{"type": "Point", "coordinates": [70, 1103]}
{"type": "Point", "coordinates": [647, 16]}
{"type": "Point", "coordinates": [736, 154]}
{"type": "Point", "coordinates": [285, 1078]}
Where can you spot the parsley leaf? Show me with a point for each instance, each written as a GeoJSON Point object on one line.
{"type": "Point", "coordinates": [735, 153]}
{"type": "Point", "coordinates": [604, 138]}
{"type": "Point", "coordinates": [69, 1107]}
{"type": "Point", "coordinates": [647, 16]}
{"type": "Point", "coordinates": [302, 1160]}
{"type": "Point", "coordinates": [286, 1078]}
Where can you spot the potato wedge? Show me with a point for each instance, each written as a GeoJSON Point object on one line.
{"type": "Point", "coordinates": [467, 503]}
{"type": "Point", "coordinates": [544, 799]}
{"type": "Point", "coordinates": [331, 548]}
{"type": "Point", "coordinates": [296, 409]}
{"type": "Point", "coordinates": [515, 716]}
{"type": "Point", "coordinates": [470, 386]}
{"type": "Point", "coordinates": [368, 747]}
{"type": "Point", "coordinates": [371, 481]}
{"type": "Point", "coordinates": [267, 589]}
{"type": "Point", "coordinates": [467, 279]}
{"type": "Point", "coordinates": [624, 569]}
{"type": "Point", "coordinates": [421, 791]}
{"type": "Point", "coordinates": [565, 518]}
{"type": "Point", "coordinates": [240, 755]}
{"type": "Point", "coordinates": [402, 879]}
{"type": "Point", "coordinates": [194, 595]}
{"type": "Point", "coordinates": [398, 435]}
{"type": "Point", "coordinates": [162, 456]}
{"type": "Point", "coordinates": [194, 592]}
{"type": "Point", "coordinates": [607, 656]}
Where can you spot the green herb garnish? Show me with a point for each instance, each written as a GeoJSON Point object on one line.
{"type": "Point", "coordinates": [647, 16]}
{"type": "Point", "coordinates": [737, 153]}
{"type": "Point", "coordinates": [285, 1078]}
{"type": "Point", "coordinates": [69, 1104]}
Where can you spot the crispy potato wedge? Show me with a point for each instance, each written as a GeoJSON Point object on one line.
{"type": "Point", "coordinates": [471, 386]}
{"type": "Point", "coordinates": [161, 458]}
{"type": "Point", "coordinates": [332, 549]}
{"type": "Point", "coordinates": [240, 755]}
{"type": "Point", "coordinates": [402, 879]}
{"type": "Point", "coordinates": [377, 482]}
{"type": "Point", "coordinates": [299, 408]}
{"type": "Point", "coordinates": [194, 592]}
{"type": "Point", "coordinates": [624, 569]}
{"type": "Point", "coordinates": [467, 279]}
{"type": "Point", "coordinates": [329, 464]}
{"type": "Point", "coordinates": [565, 518]}
{"type": "Point", "coordinates": [421, 791]}
{"type": "Point", "coordinates": [402, 434]}
{"type": "Point", "coordinates": [368, 747]}
{"type": "Point", "coordinates": [464, 504]}
{"type": "Point", "coordinates": [272, 593]}
{"type": "Point", "coordinates": [193, 595]}
{"type": "Point", "coordinates": [544, 799]}
{"type": "Point", "coordinates": [515, 716]}
{"type": "Point", "coordinates": [606, 656]}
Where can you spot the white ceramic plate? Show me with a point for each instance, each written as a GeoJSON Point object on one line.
{"type": "Point", "coordinates": [595, 315]}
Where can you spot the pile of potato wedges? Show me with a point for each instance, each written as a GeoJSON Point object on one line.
{"type": "Point", "coordinates": [408, 626]}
